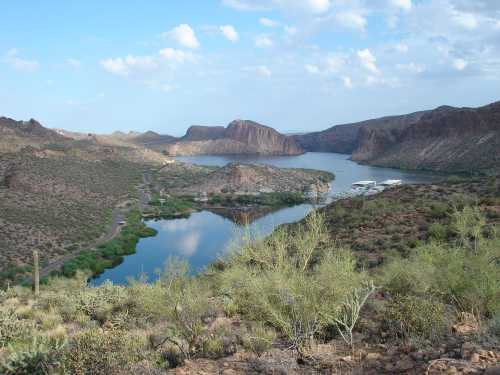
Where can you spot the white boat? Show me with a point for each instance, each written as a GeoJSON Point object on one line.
{"type": "Point", "coordinates": [362, 187]}
{"type": "Point", "coordinates": [390, 183]}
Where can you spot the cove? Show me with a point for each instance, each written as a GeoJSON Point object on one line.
{"type": "Point", "coordinates": [205, 235]}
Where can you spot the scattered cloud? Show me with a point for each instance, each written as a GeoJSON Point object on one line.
{"type": "Point", "coordinates": [405, 5]}
{"type": "Point", "coordinates": [230, 33]}
{"type": "Point", "coordinates": [13, 59]}
{"type": "Point", "coordinates": [351, 20]}
{"type": "Point", "coordinates": [347, 81]}
{"type": "Point", "coordinates": [368, 61]}
{"type": "Point", "coordinates": [268, 22]}
{"type": "Point", "coordinates": [184, 35]}
{"type": "Point", "coordinates": [309, 6]}
{"type": "Point", "coordinates": [124, 66]}
{"type": "Point", "coordinates": [261, 70]}
{"type": "Point", "coordinates": [290, 30]}
{"type": "Point", "coordinates": [176, 55]}
{"type": "Point", "coordinates": [74, 63]}
{"type": "Point", "coordinates": [460, 64]}
{"type": "Point", "coordinates": [411, 67]}
{"type": "Point", "coordinates": [312, 69]}
{"type": "Point", "coordinates": [263, 41]}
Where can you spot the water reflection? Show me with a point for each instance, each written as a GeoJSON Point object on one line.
{"type": "Point", "coordinates": [206, 235]}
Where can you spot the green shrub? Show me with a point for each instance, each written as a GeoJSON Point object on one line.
{"type": "Point", "coordinates": [96, 351]}
{"type": "Point", "coordinates": [438, 210]}
{"type": "Point", "coordinates": [259, 339]}
{"type": "Point", "coordinates": [295, 283]}
{"type": "Point", "coordinates": [412, 316]}
{"type": "Point", "coordinates": [12, 327]}
{"type": "Point", "coordinates": [37, 358]}
{"type": "Point", "coordinates": [437, 232]}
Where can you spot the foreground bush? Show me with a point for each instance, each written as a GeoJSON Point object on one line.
{"type": "Point", "coordinates": [296, 283]}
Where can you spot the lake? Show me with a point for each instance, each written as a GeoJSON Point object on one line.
{"type": "Point", "coordinates": [204, 236]}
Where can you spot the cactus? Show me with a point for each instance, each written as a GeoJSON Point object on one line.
{"type": "Point", "coordinates": [36, 273]}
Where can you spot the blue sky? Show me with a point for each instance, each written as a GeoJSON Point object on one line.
{"type": "Point", "coordinates": [296, 65]}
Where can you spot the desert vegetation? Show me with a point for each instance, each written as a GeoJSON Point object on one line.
{"type": "Point", "coordinates": [295, 302]}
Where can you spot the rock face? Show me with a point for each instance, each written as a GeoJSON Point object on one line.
{"type": "Point", "coordinates": [445, 139]}
{"type": "Point", "coordinates": [204, 133]}
{"type": "Point", "coordinates": [240, 137]}
{"type": "Point", "coordinates": [344, 139]}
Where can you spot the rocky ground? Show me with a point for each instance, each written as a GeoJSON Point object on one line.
{"type": "Point", "coordinates": [242, 179]}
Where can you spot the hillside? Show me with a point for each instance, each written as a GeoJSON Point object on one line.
{"type": "Point", "coordinates": [294, 303]}
{"type": "Point", "coordinates": [239, 137]}
{"type": "Point", "coordinates": [59, 195]}
{"type": "Point", "coordinates": [446, 139]}
{"type": "Point", "coordinates": [344, 139]}
{"type": "Point", "coordinates": [241, 179]}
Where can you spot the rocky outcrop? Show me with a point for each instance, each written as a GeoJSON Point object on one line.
{"type": "Point", "coordinates": [237, 178]}
{"type": "Point", "coordinates": [344, 139]}
{"type": "Point", "coordinates": [445, 139]}
{"type": "Point", "coordinates": [204, 133]}
{"type": "Point", "coordinates": [240, 137]}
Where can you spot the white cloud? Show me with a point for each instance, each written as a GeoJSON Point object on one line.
{"type": "Point", "coordinates": [23, 65]}
{"type": "Point", "coordinates": [261, 70]}
{"type": "Point", "coordinates": [405, 5]}
{"type": "Point", "coordinates": [466, 20]}
{"type": "Point", "coordinates": [124, 66]}
{"type": "Point", "coordinates": [312, 69]}
{"type": "Point", "coordinates": [268, 22]}
{"type": "Point", "coordinates": [176, 55]}
{"type": "Point", "coordinates": [184, 35]}
{"type": "Point", "coordinates": [74, 63]}
{"type": "Point", "coordinates": [230, 33]}
{"type": "Point", "coordinates": [351, 20]}
{"type": "Point", "coordinates": [290, 30]}
{"type": "Point", "coordinates": [335, 63]}
{"type": "Point", "coordinates": [460, 64]}
{"type": "Point", "coordinates": [368, 61]}
{"type": "Point", "coordinates": [263, 41]}
{"type": "Point", "coordinates": [347, 81]}
{"type": "Point", "coordinates": [411, 67]}
{"type": "Point", "coordinates": [309, 6]}
{"type": "Point", "coordinates": [401, 47]}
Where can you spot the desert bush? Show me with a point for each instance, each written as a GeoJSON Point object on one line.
{"type": "Point", "coordinates": [463, 275]}
{"type": "Point", "coordinates": [39, 357]}
{"type": "Point", "coordinates": [12, 327]}
{"type": "Point", "coordinates": [187, 306]}
{"type": "Point", "coordinates": [296, 283]}
{"type": "Point", "coordinates": [413, 316]}
{"type": "Point", "coordinates": [437, 232]}
{"type": "Point", "coordinates": [438, 210]}
{"type": "Point", "coordinates": [97, 351]}
{"type": "Point", "coordinates": [259, 339]}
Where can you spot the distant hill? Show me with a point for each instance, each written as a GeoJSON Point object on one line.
{"type": "Point", "coordinates": [344, 139]}
{"type": "Point", "coordinates": [445, 139]}
{"type": "Point", "coordinates": [239, 137]}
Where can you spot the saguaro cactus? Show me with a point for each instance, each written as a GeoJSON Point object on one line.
{"type": "Point", "coordinates": [36, 273]}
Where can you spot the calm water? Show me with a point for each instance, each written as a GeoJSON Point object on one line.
{"type": "Point", "coordinates": [204, 236]}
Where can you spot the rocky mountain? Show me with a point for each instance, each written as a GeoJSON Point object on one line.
{"type": "Point", "coordinates": [445, 139]}
{"type": "Point", "coordinates": [239, 137]}
{"type": "Point", "coordinates": [57, 192]}
{"type": "Point", "coordinates": [344, 139]}
{"type": "Point", "coordinates": [204, 133]}
{"type": "Point", "coordinates": [15, 135]}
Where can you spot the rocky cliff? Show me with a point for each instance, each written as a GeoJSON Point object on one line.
{"type": "Point", "coordinates": [344, 139]}
{"type": "Point", "coordinates": [445, 139]}
{"type": "Point", "coordinates": [240, 137]}
{"type": "Point", "coordinates": [204, 133]}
